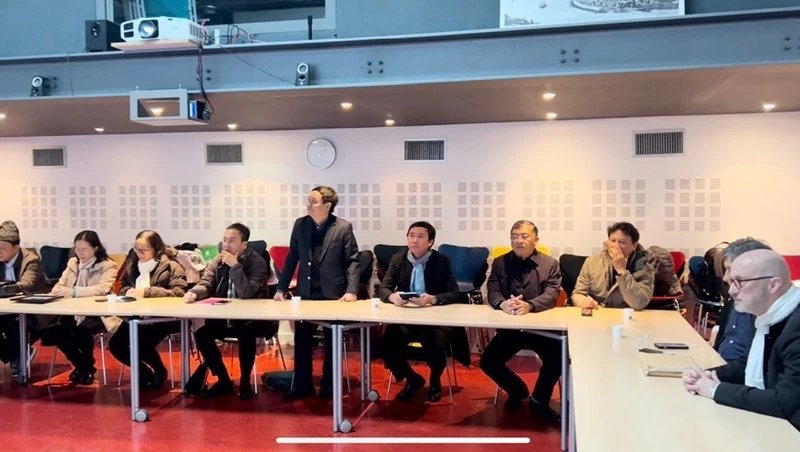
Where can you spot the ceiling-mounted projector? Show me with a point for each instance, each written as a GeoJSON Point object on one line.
{"type": "Point", "coordinates": [150, 33]}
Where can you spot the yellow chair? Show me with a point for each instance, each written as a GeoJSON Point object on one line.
{"type": "Point", "coordinates": [119, 258]}
{"type": "Point", "coordinates": [500, 250]}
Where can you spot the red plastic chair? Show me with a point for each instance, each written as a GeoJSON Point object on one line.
{"type": "Point", "coordinates": [679, 259]}
{"type": "Point", "coordinates": [794, 266]}
{"type": "Point", "coordinates": [279, 255]}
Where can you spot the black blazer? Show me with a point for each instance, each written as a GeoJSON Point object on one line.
{"type": "Point", "coordinates": [540, 287]}
{"type": "Point", "coordinates": [781, 394]}
{"type": "Point", "coordinates": [338, 267]}
{"type": "Point", "coordinates": [439, 278]}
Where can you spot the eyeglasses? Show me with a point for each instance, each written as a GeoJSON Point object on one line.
{"type": "Point", "coordinates": [142, 250]}
{"type": "Point", "coordinates": [82, 250]}
{"type": "Point", "coordinates": [524, 237]}
{"type": "Point", "coordinates": [737, 283]}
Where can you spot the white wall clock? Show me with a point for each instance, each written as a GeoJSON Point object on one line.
{"type": "Point", "coordinates": [320, 153]}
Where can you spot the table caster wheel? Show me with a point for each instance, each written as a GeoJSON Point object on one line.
{"type": "Point", "coordinates": [373, 395]}
{"type": "Point", "coordinates": [346, 426]}
{"type": "Point", "coordinates": [141, 416]}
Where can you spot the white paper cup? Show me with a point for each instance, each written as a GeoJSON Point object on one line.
{"type": "Point", "coordinates": [111, 298]}
{"type": "Point", "coordinates": [627, 314]}
{"type": "Point", "coordinates": [296, 302]}
{"type": "Point", "coordinates": [375, 302]}
{"type": "Point", "coordinates": [616, 331]}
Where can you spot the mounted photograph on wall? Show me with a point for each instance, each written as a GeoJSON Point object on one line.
{"type": "Point", "coordinates": [520, 13]}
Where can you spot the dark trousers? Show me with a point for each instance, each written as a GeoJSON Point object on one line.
{"type": "Point", "coordinates": [245, 331]}
{"type": "Point", "coordinates": [149, 337]}
{"type": "Point", "coordinates": [9, 335]}
{"type": "Point", "coordinates": [508, 343]}
{"type": "Point", "coordinates": [304, 343]}
{"type": "Point", "coordinates": [393, 348]}
{"type": "Point", "coordinates": [75, 341]}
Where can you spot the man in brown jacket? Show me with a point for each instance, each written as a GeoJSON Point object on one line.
{"type": "Point", "coordinates": [24, 268]}
{"type": "Point", "coordinates": [618, 277]}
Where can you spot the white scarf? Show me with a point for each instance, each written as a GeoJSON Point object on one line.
{"type": "Point", "coordinates": [780, 310]}
{"type": "Point", "coordinates": [83, 272]}
{"type": "Point", "coordinates": [145, 268]}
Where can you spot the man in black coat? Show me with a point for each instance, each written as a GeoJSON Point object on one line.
{"type": "Point", "coordinates": [325, 248]}
{"type": "Point", "coordinates": [522, 281]}
{"type": "Point", "coordinates": [767, 379]}
{"type": "Point", "coordinates": [427, 273]}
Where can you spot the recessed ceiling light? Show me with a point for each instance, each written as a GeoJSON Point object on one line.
{"type": "Point", "coordinates": [389, 122]}
{"type": "Point", "coordinates": [232, 126]}
{"type": "Point", "coordinates": [157, 111]}
{"type": "Point", "coordinates": [548, 96]}
{"type": "Point", "coordinates": [768, 106]}
{"type": "Point", "coordinates": [346, 105]}
{"type": "Point", "coordinates": [99, 129]}
{"type": "Point", "coordinates": [551, 115]}
{"type": "Point", "coordinates": [2, 116]}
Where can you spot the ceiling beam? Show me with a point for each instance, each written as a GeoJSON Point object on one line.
{"type": "Point", "coordinates": [753, 39]}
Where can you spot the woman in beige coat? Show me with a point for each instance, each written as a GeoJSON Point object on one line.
{"type": "Point", "coordinates": [91, 274]}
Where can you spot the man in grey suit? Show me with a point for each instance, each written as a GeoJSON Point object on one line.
{"type": "Point", "coordinates": [326, 250]}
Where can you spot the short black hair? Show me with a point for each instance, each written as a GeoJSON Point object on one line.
{"type": "Point", "coordinates": [424, 225]}
{"type": "Point", "coordinates": [244, 231]}
{"type": "Point", "coordinates": [626, 228]}
{"type": "Point", "coordinates": [328, 195]}
{"type": "Point", "coordinates": [522, 223]}
{"type": "Point", "coordinates": [741, 246]}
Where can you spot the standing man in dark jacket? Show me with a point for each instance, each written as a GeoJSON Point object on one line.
{"type": "Point", "coordinates": [522, 281]}
{"type": "Point", "coordinates": [326, 250]}
{"type": "Point", "coordinates": [429, 274]}
{"type": "Point", "coordinates": [23, 267]}
{"type": "Point", "coordinates": [236, 272]}
{"type": "Point", "coordinates": [767, 379]}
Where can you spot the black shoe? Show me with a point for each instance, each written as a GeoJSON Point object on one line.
{"type": "Point", "coordinates": [245, 390]}
{"type": "Point", "coordinates": [325, 393]}
{"type": "Point", "coordinates": [512, 404]}
{"type": "Point", "coordinates": [145, 376]}
{"type": "Point", "coordinates": [434, 394]}
{"type": "Point", "coordinates": [197, 382]}
{"type": "Point", "coordinates": [159, 377]}
{"type": "Point", "coordinates": [86, 377]}
{"type": "Point", "coordinates": [299, 393]}
{"type": "Point", "coordinates": [414, 383]}
{"type": "Point", "coordinates": [221, 387]}
{"type": "Point", "coordinates": [74, 376]}
{"type": "Point", "coordinates": [543, 411]}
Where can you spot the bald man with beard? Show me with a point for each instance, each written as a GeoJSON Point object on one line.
{"type": "Point", "coordinates": [767, 379]}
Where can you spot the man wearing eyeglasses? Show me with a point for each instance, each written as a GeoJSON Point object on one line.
{"type": "Point", "coordinates": [736, 328]}
{"type": "Point", "coordinates": [523, 281]}
{"type": "Point", "coordinates": [325, 248]}
{"type": "Point", "coordinates": [618, 277]}
{"type": "Point", "coordinates": [767, 379]}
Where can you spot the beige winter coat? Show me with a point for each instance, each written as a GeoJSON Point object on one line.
{"type": "Point", "coordinates": [633, 288]}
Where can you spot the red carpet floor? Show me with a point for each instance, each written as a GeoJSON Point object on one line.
{"type": "Point", "coordinates": [64, 417]}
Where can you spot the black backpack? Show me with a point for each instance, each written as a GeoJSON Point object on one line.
{"type": "Point", "coordinates": [707, 279]}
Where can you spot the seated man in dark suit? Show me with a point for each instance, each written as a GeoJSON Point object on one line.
{"type": "Point", "coordinates": [237, 272]}
{"type": "Point", "coordinates": [767, 379]}
{"type": "Point", "coordinates": [736, 328]}
{"type": "Point", "coordinates": [522, 281]}
{"type": "Point", "coordinates": [326, 250]}
{"type": "Point", "coordinates": [428, 273]}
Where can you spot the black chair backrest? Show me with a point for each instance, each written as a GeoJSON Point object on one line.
{"type": "Point", "coordinates": [383, 256]}
{"type": "Point", "coordinates": [54, 261]}
{"type": "Point", "coordinates": [570, 269]}
{"type": "Point", "coordinates": [366, 260]}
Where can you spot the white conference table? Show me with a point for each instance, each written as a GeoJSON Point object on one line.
{"type": "Point", "coordinates": [612, 404]}
{"type": "Point", "coordinates": [616, 407]}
